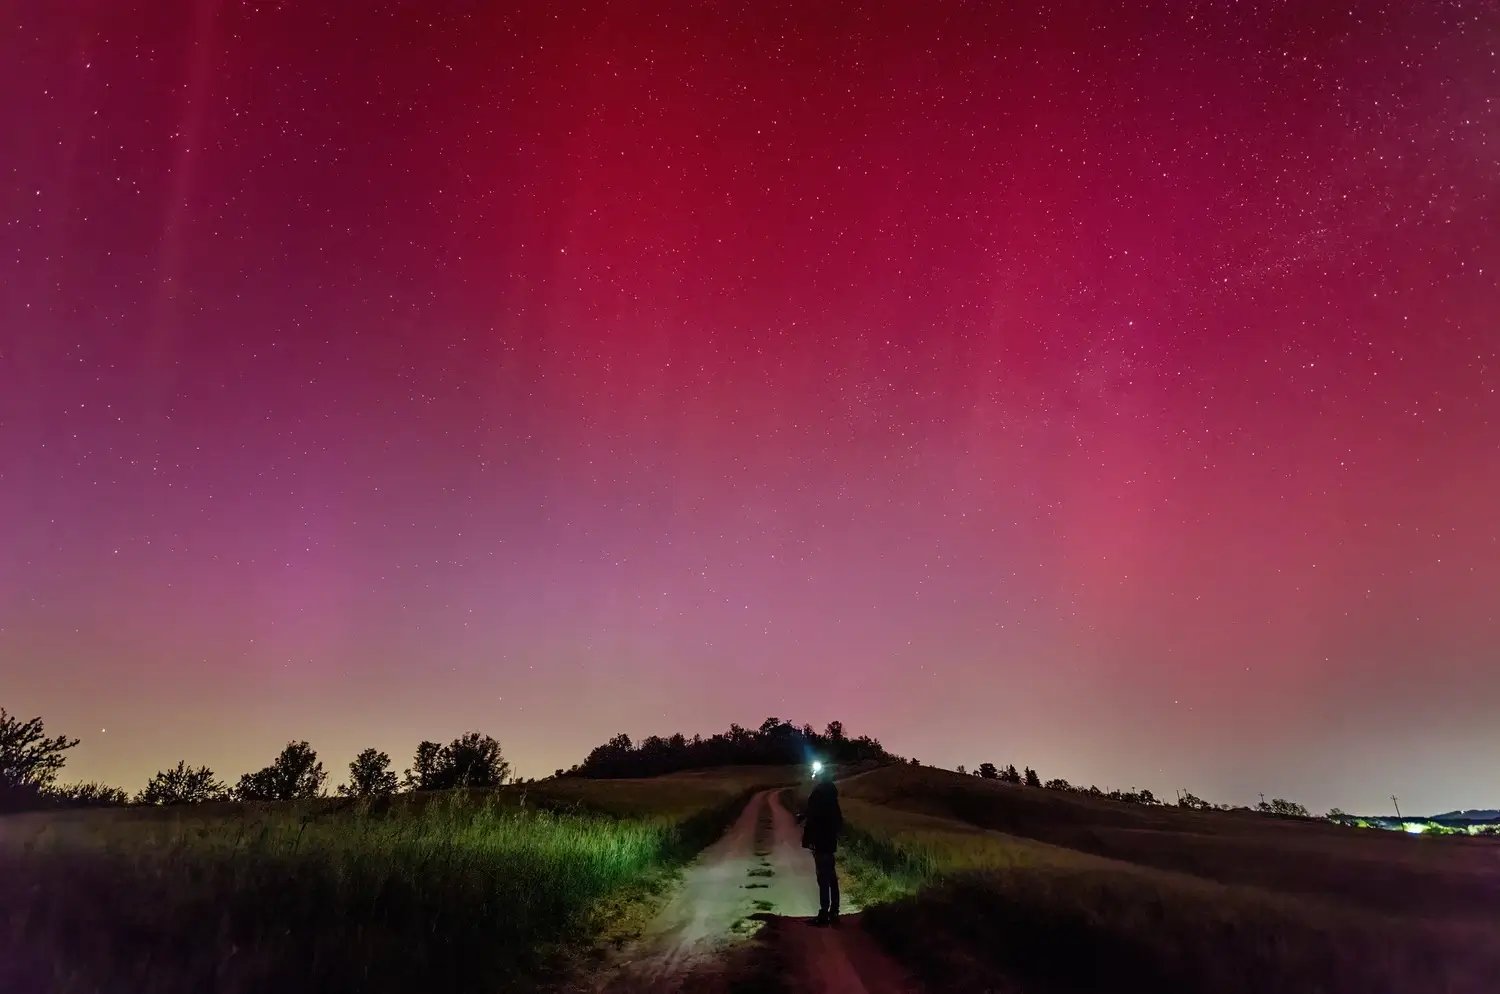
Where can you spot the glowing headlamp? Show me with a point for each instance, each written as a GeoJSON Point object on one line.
{"type": "Point", "coordinates": [817, 767]}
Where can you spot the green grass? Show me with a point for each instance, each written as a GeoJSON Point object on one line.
{"type": "Point", "coordinates": [970, 908]}
{"type": "Point", "coordinates": [437, 893]}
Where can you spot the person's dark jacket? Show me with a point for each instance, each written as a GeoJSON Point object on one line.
{"type": "Point", "coordinates": [823, 820]}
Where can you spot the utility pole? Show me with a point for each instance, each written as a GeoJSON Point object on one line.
{"type": "Point", "coordinates": [1398, 806]}
{"type": "Point", "coordinates": [1262, 798]}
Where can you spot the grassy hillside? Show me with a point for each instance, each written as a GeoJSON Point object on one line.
{"type": "Point", "coordinates": [426, 892]}
{"type": "Point", "coordinates": [1082, 894]}
{"type": "Point", "coordinates": [1369, 869]}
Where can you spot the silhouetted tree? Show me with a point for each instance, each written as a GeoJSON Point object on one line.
{"type": "Point", "coordinates": [1193, 802]}
{"type": "Point", "coordinates": [1282, 807]}
{"type": "Point", "coordinates": [1010, 774]}
{"type": "Point", "coordinates": [182, 784]}
{"type": "Point", "coordinates": [1289, 809]}
{"type": "Point", "coordinates": [654, 753]}
{"type": "Point", "coordinates": [988, 771]}
{"type": "Point", "coordinates": [775, 742]}
{"type": "Point", "coordinates": [295, 774]}
{"type": "Point", "coordinates": [422, 774]}
{"type": "Point", "coordinates": [961, 770]}
{"type": "Point", "coordinates": [29, 761]}
{"type": "Point", "coordinates": [1058, 784]}
{"type": "Point", "coordinates": [370, 775]}
{"type": "Point", "coordinates": [89, 795]}
{"type": "Point", "coordinates": [1032, 780]}
{"type": "Point", "coordinates": [471, 760]}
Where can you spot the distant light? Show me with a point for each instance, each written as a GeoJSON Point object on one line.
{"type": "Point", "coordinates": [817, 767]}
{"type": "Point", "coordinates": [1415, 827]}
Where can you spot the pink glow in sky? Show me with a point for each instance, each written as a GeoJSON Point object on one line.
{"type": "Point", "coordinates": [1109, 392]}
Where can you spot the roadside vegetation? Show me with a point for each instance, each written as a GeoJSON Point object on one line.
{"type": "Point", "coordinates": [1080, 894]}
{"type": "Point", "coordinates": [469, 890]}
{"type": "Point", "coordinates": [451, 876]}
{"type": "Point", "coordinates": [459, 882]}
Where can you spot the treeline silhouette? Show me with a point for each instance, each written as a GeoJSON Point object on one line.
{"type": "Point", "coordinates": [1185, 799]}
{"type": "Point", "coordinates": [30, 762]}
{"type": "Point", "coordinates": [775, 743]}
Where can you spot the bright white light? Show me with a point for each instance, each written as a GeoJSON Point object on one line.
{"type": "Point", "coordinates": [817, 767]}
{"type": "Point", "coordinates": [1415, 827]}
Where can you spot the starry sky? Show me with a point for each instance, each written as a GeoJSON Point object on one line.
{"type": "Point", "coordinates": [1112, 392]}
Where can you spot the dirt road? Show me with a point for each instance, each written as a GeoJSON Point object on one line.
{"type": "Point", "coordinates": [739, 921]}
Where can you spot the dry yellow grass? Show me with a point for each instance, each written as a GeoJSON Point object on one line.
{"type": "Point", "coordinates": [971, 908]}
{"type": "Point", "coordinates": [1403, 875]}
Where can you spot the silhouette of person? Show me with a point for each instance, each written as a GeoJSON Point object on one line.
{"type": "Point", "coordinates": [821, 824]}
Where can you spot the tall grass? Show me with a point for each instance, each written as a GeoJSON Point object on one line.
{"type": "Point", "coordinates": [455, 896]}
{"type": "Point", "coordinates": [970, 909]}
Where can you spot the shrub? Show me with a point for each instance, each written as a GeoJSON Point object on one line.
{"type": "Point", "coordinates": [183, 784]}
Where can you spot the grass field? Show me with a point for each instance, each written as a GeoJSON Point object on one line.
{"type": "Point", "coordinates": [427, 892]}
{"type": "Point", "coordinates": [1079, 894]}
{"type": "Point", "coordinates": [974, 885]}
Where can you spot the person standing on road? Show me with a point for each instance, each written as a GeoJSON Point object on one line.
{"type": "Point", "coordinates": [821, 824]}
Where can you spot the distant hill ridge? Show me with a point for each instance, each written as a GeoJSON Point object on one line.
{"type": "Point", "coordinates": [1473, 814]}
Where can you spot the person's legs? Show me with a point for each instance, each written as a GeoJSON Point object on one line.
{"type": "Point", "coordinates": [820, 866]}
{"type": "Point", "coordinates": [833, 888]}
{"type": "Point", "coordinates": [828, 884]}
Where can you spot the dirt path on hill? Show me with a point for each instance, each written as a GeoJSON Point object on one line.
{"type": "Point", "coordinates": [739, 922]}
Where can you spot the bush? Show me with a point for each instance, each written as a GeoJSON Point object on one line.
{"type": "Point", "coordinates": [183, 784]}
{"type": "Point", "coordinates": [1282, 808]}
{"type": "Point", "coordinates": [89, 795]}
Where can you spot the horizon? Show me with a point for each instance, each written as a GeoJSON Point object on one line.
{"type": "Point", "coordinates": [337, 770]}
{"type": "Point", "coordinates": [1108, 391]}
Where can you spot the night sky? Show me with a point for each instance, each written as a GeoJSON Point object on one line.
{"type": "Point", "coordinates": [1111, 392]}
